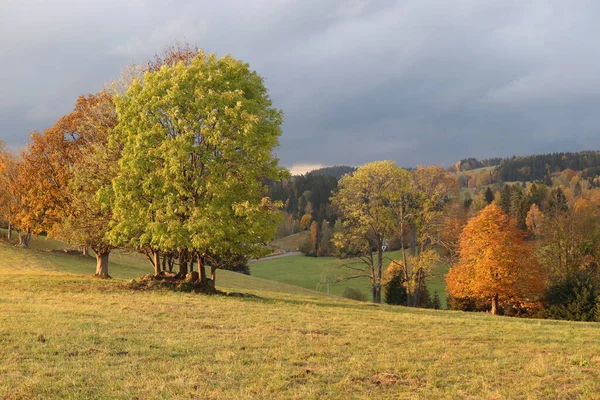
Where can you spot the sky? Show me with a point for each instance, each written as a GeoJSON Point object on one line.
{"type": "Point", "coordinates": [416, 81]}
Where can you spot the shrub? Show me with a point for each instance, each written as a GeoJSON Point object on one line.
{"type": "Point", "coordinates": [354, 294]}
{"type": "Point", "coordinates": [424, 300]}
{"type": "Point", "coordinates": [465, 304]}
{"type": "Point", "coordinates": [436, 304]}
{"type": "Point", "coordinates": [393, 284]}
{"type": "Point", "coordinates": [307, 249]}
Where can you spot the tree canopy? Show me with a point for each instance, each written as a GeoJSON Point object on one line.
{"type": "Point", "coordinates": [496, 264]}
{"type": "Point", "coordinates": [197, 140]}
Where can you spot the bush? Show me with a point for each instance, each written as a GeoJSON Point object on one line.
{"type": "Point", "coordinates": [241, 268]}
{"type": "Point", "coordinates": [393, 284]}
{"type": "Point", "coordinates": [573, 298]}
{"type": "Point", "coordinates": [424, 300]}
{"type": "Point", "coordinates": [354, 294]}
{"type": "Point", "coordinates": [238, 264]}
{"type": "Point", "coordinates": [306, 248]}
{"type": "Point", "coordinates": [322, 252]}
{"type": "Point", "coordinates": [465, 304]}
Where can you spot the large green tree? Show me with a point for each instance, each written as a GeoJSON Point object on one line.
{"type": "Point", "coordinates": [197, 139]}
{"type": "Point", "coordinates": [365, 201]}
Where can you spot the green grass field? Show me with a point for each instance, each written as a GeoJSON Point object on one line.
{"type": "Point", "coordinates": [125, 265]}
{"type": "Point", "coordinates": [312, 273]}
{"type": "Point", "coordinates": [67, 335]}
{"type": "Point", "coordinates": [300, 271]}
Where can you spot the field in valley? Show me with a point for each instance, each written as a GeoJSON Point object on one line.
{"type": "Point", "coordinates": [314, 272]}
{"type": "Point", "coordinates": [68, 335]}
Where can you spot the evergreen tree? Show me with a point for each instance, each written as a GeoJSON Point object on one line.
{"type": "Point", "coordinates": [436, 303]}
{"type": "Point", "coordinates": [489, 196]}
{"type": "Point", "coordinates": [574, 298]}
{"type": "Point", "coordinates": [505, 199]}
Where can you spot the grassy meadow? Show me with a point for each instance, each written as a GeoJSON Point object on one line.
{"type": "Point", "coordinates": [68, 335]}
{"type": "Point", "coordinates": [297, 270]}
{"type": "Point", "coordinates": [313, 272]}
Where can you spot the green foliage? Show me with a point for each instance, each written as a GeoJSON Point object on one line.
{"type": "Point", "coordinates": [337, 171]}
{"type": "Point", "coordinates": [489, 196]}
{"type": "Point", "coordinates": [307, 247]}
{"type": "Point", "coordinates": [537, 167]}
{"type": "Point", "coordinates": [197, 141]}
{"type": "Point", "coordinates": [395, 291]}
{"type": "Point", "coordinates": [366, 201]}
{"type": "Point", "coordinates": [354, 294]}
{"type": "Point", "coordinates": [436, 304]}
{"type": "Point", "coordinates": [573, 298]}
{"type": "Point", "coordinates": [299, 191]}
{"type": "Point", "coordinates": [505, 198]}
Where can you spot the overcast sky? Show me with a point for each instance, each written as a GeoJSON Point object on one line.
{"type": "Point", "coordinates": [415, 81]}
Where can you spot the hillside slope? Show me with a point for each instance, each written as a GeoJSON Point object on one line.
{"type": "Point", "coordinates": [71, 336]}
{"type": "Point", "coordinates": [124, 265]}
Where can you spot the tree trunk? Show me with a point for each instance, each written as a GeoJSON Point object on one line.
{"type": "Point", "coordinates": [164, 262]}
{"type": "Point", "coordinates": [413, 239]}
{"type": "Point", "coordinates": [102, 263]}
{"type": "Point", "coordinates": [156, 257]}
{"type": "Point", "coordinates": [378, 275]}
{"type": "Point", "coordinates": [85, 251]}
{"type": "Point", "coordinates": [213, 275]}
{"type": "Point", "coordinates": [183, 267]}
{"type": "Point", "coordinates": [24, 238]}
{"type": "Point", "coordinates": [375, 293]}
{"type": "Point", "coordinates": [494, 305]}
{"type": "Point", "coordinates": [201, 270]}
{"type": "Point", "coordinates": [404, 260]}
{"type": "Point", "coordinates": [9, 233]}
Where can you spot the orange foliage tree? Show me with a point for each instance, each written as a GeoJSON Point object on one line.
{"type": "Point", "coordinates": [496, 264]}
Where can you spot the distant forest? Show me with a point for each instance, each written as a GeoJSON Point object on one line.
{"type": "Point", "coordinates": [538, 167]}
{"type": "Point", "coordinates": [310, 193]}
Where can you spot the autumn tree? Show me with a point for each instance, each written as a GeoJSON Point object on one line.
{"type": "Point", "coordinates": [393, 283]}
{"type": "Point", "coordinates": [567, 238]}
{"type": "Point", "coordinates": [197, 138]}
{"type": "Point", "coordinates": [418, 208]}
{"type": "Point", "coordinates": [9, 201]}
{"type": "Point", "coordinates": [315, 237]}
{"type": "Point", "coordinates": [325, 239]}
{"type": "Point", "coordinates": [85, 221]}
{"type": "Point", "coordinates": [364, 201]}
{"type": "Point", "coordinates": [305, 221]}
{"type": "Point", "coordinates": [496, 264]}
{"type": "Point", "coordinates": [45, 175]}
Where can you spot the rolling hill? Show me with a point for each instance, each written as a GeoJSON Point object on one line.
{"type": "Point", "coordinates": [67, 335]}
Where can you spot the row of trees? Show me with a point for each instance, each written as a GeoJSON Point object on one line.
{"type": "Point", "coordinates": [171, 161]}
{"type": "Point", "coordinates": [537, 167]}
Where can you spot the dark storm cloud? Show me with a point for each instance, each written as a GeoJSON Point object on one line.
{"type": "Point", "coordinates": [416, 81]}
